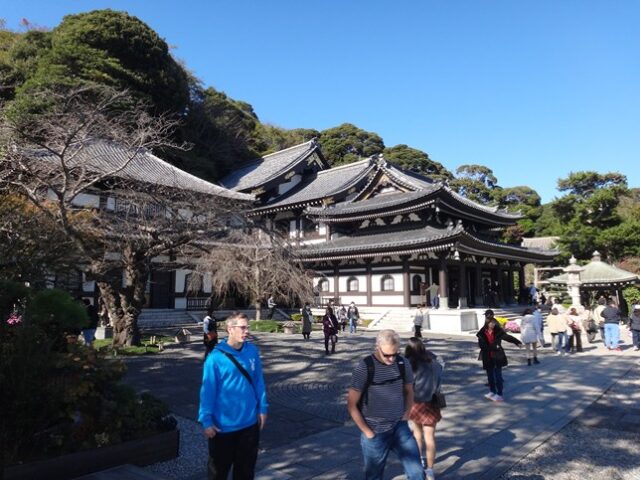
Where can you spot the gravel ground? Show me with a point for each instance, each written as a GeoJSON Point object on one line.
{"type": "Point", "coordinates": [589, 449]}
{"type": "Point", "coordinates": [193, 453]}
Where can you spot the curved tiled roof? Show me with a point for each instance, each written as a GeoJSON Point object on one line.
{"type": "Point", "coordinates": [261, 170]}
{"type": "Point", "coordinates": [325, 184]}
{"type": "Point", "coordinates": [140, 165]}
{"type": "Point", "coordinates": [597, 273]}
{"type": "Point", "coordinates": [421, 239]}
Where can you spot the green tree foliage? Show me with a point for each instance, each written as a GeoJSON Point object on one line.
{"type": "Point", "coordinates": [348, 143]}
{"type": "Point", "coordinates": [272, 138]}
{"type": "Point", "coordinates": [548, 223]}
{"type": "Point", "coordinates": [623, 240]}
{"type": "Point", "coordinates": [114, 49]}
{"type": "Point", "coordinates": [523, 199]}
{"type": "Point", "coordinates": [588, 211]}
{"type": "Point", "coordinates": [417, 161]}
{"type": "Point", "coordinates": [476, 182]}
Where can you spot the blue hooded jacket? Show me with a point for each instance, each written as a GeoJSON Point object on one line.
{"type": "Point", "coordinates": [227, 400]}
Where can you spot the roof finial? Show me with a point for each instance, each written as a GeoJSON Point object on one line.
{"type": "Point", "coordinates": [572, 260]}
{"type": "Point", "coordinates": [596, 256]}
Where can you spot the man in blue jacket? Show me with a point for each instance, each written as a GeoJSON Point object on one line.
{"type": "Point", "coordinates": [233, 403]}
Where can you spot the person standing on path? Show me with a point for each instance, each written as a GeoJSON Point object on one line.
{"type": "Point", "coordinates": [634, 326]}
{"type": "Point", "coordinates": [611, 316]}
{"type": "Point", "coordinates": [597, 316]}
{"type": "Point", "coordinates": [341, 315]}
{"type": "Point", "coordinates": [233, 403]}
{"type": "Point", "coordinates": [493, 356]}
{"type": "Point", "coordinates": [210, 330]}
{"type": "Point", "coordinates": [427, 371]}
{"type": "Point", "coordinates": [575, 326]}
{"type": "Point", "coordinates": [538, 323]}
{"type": "Point", "coordinates": [89, 333]}
{"type": "Point", "coordinates": [330, 329]}
{"type": "Point", "coordinates": [271, 305]}
{"type": "Point", "coordinates": [379, 401]}
{"type": "Point", "coordinates": [307, 320]}
{"type": "Point", "coordinates": [434, 296]}
{"type": "Point", "coordinates": [558, 327]}
{"type": "Point", "coordinates": [353, 315]}
{"type": "Point", "coordinates": [530, 334]}
{"type": "Point", "coordinates": [418, 321]}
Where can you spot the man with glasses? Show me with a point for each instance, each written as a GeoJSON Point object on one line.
{"type": "Point", "coordinates": [379, 401]}
{"type": "Point", "coordinates": [233, 403]}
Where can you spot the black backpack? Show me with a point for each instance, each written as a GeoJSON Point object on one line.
{"type": "Point", "coordinates": [371, 367]}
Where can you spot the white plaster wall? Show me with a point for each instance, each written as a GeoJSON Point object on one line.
{"type": "Point", "coordinates": [416, 299]}
{"type": "Point", "coordinates": [310, 242]}
{"type": "Point", "coordinates": [87, 200]}
{"type": "Point", "coordinates": [293, 231]}
{"type": "Point", "coordinates": [331, 284]}
{"type": "Point", "coordinates": [111, 203]}
{"type": "Point", "coordinates": [357, 299]}
{"type": "Point", "coordinates": [322, 229]}
{"type": "Point", "coordinates": [387, 300]}
{"type": "Point", "coordinates": [206, 283]}
{"type": "Point", "coordinates": [362, 282]}
{"type": "Point", "coordinates": [181, 275]}
{"type": "Point", "coordinates": [180, 303]}
{"type": "Point", "coordinates": [89, 286]}
{"type": "Point", "coordinates": [397, 282]}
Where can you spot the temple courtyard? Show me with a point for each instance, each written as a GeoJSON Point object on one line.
{"type": "Point", "coordinates": [571, 417]}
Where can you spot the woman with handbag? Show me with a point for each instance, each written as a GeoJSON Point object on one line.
{"type": "Point", "coordinates": [330, 330]}
{"type": "Point", "coordinates": [493, 356]}
{"type": "Point", "coordinates": [574, 322]}
{"type": "Point", "coordinates": [425, 413]}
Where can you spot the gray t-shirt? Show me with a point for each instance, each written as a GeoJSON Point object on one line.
{"type": "Point", "coordinates": [385, 404]}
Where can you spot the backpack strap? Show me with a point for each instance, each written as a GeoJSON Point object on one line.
{"type": "Point", "coordinates": [370, 363]}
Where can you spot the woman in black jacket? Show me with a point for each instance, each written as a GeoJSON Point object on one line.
{"type": "Point", "coordinates": [493, 356]}
{"type": "Point", "coordinates": [330, 330]}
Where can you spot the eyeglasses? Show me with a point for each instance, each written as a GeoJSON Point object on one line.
{"type": "Point", "coordinates": [241, 327]}
{"type": "Point", "coordinates": [388, 355]}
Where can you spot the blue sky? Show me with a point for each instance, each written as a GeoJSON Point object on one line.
{"type": "Point", "coordinates": [533, 89]}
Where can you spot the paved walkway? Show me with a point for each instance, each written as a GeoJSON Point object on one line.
{"type": "Point", "coordinates": [309, 434]}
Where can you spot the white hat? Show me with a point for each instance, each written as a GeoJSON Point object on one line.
{"type": "Point", "coordinates": [636, 307]}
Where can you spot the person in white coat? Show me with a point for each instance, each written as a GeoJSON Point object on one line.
{"type": "Point", "coordinates": [539, 324]}
{"type": "Point", "coordinates": [530, 334]}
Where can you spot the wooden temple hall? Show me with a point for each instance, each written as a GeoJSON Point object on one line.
{"type": "Point", "coordinates": [380, 236]}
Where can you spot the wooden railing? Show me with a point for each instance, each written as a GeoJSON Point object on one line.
{"type": "Point", "coordinates": [197, 303]}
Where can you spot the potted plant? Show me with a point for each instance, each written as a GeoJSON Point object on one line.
{"type": "Point", "coordinates": [289, 327]}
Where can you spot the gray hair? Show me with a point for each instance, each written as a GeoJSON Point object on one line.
{"type": "Point", "coordinates": [554, 311]}
{"type": "Point", "coordinates": [387, 337]}
{"type": "Point", "coordinates": [232, 320]}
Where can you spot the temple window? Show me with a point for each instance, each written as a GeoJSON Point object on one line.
{"type": "Point", "coordinates": [387, 284]}
{"type": "Point", "coordinates": [415, 284]}
{"type": "Point", "coordinates": [323, 285]}
{"type": "Point", "coordinates": [352, 284]}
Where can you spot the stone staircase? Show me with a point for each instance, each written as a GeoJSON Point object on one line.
{"type": "Point", "coordinates": [161, 318]}
{"type": "Point", "coordinates": [398, 319]}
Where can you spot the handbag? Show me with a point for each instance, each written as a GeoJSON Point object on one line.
{"type": "Point", "coordinates": [438, 400]}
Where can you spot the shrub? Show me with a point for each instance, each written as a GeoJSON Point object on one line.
{"type": "Point", "coordinates": [296, 317]}
{"type": "Point", "coordinates": [631, 295]}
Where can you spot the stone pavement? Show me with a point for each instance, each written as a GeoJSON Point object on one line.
{"type": "Point", "coordinates": [309, 434]}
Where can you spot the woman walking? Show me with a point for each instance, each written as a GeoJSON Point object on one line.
{"type": "Point", "coordinates": [574, 321]}
{"type": "Point", "coordinates": [493, 356]}
{"type": "Point", "coordinates": [307, 319]}
{"type": "Point", "coordinates": [427, 376]}
{"type": "Point", "coordinates": [530, 334]}
{"type": "Point", "coordinates": [330, 330]}
{"type": "Point", "coordinates": [558, 327]}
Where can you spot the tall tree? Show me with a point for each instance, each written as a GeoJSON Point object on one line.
{"type": "Point", "coordinates": [417, 161]}
{"type": "Point", "coordinates": [51, 160]}
{"type": "Point", "coordinates": [476, 182]}
{"type": "Point", "coordinates": [348, 143]}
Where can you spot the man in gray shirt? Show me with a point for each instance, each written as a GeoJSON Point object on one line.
{"type": "Point", "coordinates": [379, 400]}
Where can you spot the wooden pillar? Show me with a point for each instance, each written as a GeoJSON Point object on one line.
{"type": "Point", "coordinates": [521, 283]}
{"type": "Point", "coordinates": [336, 282]}
{"type": "Point", "coordinates": [499, 287]}
{"type": "Point", "coordinates": [478, 293]}
{"type": "Point", "coordinates": [510, 291]}
{"type": "Point", "coordinates": [443, 283]}
{"type": "Point", "coordinates": [368, 261]}
{"type": "Point", "coordinates": [406, 281]}
{"type": "Point", "coordinates": [462, 283]}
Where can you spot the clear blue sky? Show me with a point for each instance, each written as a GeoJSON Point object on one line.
{"type": "Point", "coordinates": [532, 89]}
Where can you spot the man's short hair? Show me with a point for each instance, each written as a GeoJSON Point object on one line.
{"type": "Point", "coordinates": [387, 337]}
{"type": "Point", "coordinates": [232, 320]}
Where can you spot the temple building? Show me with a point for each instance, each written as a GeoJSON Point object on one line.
{"type": "Point", "coordinates": [379, 235]}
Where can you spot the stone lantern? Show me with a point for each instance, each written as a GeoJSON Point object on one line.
{"type": "Point", "coordinates": [573, 280]}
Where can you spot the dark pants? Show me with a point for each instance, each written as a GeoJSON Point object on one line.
{"type": "Point", "coordinates": [234, 449]}
{"type": "Point", "coordinates": [272, 310]}
{"type": "Point", "coordinates": [575, 341]}
{"type": "Point", "coordinates": [417, 331]}
{"type": "Point", "coordinates": [494, 376]}
{"type": "Point", "coordinates": [326, 343]}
